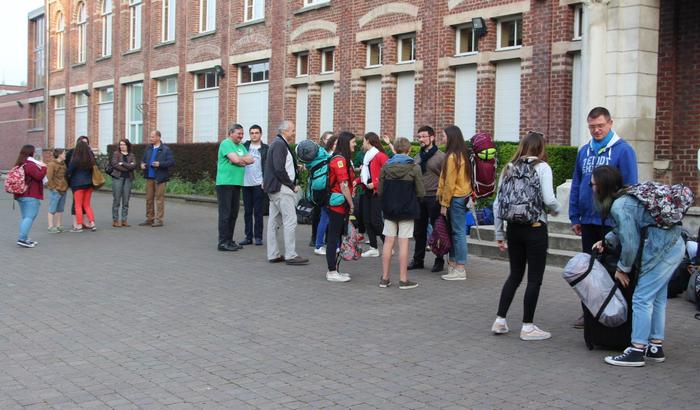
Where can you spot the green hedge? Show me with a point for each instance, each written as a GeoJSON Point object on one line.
{"type": "Point", "coordinates": [195, 164]}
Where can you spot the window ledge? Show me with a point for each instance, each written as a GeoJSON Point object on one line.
{"type": "Point", "coordinates": [311, 7]}
{"type": "Point", "coordinates": [164, 44]}
{"type": "Point", "coordinates": [35, 130]}
{"type": "Point", "coordinates": [134, 51]}
{"type": "Point", "coordinates": [249, 23]}
{"type": "Point", "coordinates": [58, 70]}
{"type": "Point", "coordinates": [76, 65]}
{"type": "Point", "coordinates": [508, 48]}
{"type": "Point", "coordinates": [204, 34]}
{"type": "Point", "coordinates": [104, 58]}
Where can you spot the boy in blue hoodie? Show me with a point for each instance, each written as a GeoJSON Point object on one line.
{"type": "Point", "coordinates": [604, 148]}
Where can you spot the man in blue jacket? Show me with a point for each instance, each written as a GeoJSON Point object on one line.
{"type": "Point", "coordinates": [604, 148]}
{"type": "Point", "coordinates": [156, 163]}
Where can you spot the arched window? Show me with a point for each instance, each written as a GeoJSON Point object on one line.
{"type": "Point", "coordinates": [60, 29]}
{"type": "Point", "coordinates": [106, 28]}
{"type": "Point", "coordinates": [82, 33]}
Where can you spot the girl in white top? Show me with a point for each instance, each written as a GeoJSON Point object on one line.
{"type": "Point", "coordinates": [526, 242]}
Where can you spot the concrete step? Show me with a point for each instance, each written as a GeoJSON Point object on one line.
{"type": "Point", "coordinates": [489, 249]}
{"type": "Point", "coordinates": [564, 241]}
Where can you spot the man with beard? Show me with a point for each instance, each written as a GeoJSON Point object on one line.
{"type": "Point", "coordinates": [430, 159]}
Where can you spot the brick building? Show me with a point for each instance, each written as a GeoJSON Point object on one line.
{"type": "Point", "coordinates": [119, 68]}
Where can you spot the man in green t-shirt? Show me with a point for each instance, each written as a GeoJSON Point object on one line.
{"type": "Point", "coordinates": [230, 170]}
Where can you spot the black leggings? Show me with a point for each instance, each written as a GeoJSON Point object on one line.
{"type": "Point", "coordinates": [336, 227]}
{"type": "Point", "coordinates": [372, 212]}
{"type": "Point", "coordinates": [527, 245]}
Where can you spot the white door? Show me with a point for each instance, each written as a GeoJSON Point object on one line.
{"type": "Point", "coordinates": [405, 98]}
{"type": "Point", "coordinates": [59, 126]}
{"type": "Point", "coordinates": [81, 121]}
{"type": "Point", "coordinates": [105, 126]}
{"type": "Point", "coordinates": [302, 113]}
{"type": "Point", "coordinates": [373, 105]}
{"type": "Point", "coordinates": [507, 116]}
{"type": "Point", "coordinates": [206, 116]}
{"type": "Point", "coordinates": [579, 131]}
{"type": "Point", "coordinates": [327, 106]}
{"type": "Point", "coordinates": [465, 100]}
{"type": "Point", "coordinates": [167, 118]}
{"type": "Point", "coordinates": [251, 107]}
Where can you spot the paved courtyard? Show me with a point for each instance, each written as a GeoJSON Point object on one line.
{"type": "Point", "coordinates": [157, 318]}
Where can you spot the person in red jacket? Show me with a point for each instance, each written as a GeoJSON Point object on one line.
{"type": "Point", "coordinates": [372, 164]}
{"type": "Point", "coordinates": [30, 200]}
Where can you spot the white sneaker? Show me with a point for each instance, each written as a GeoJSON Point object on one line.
{"type": "Point", "coordinates": [337, 277]}
{"type": "Point", "coordinates": [499, 328]}
{"type": "Point", "coordinates": [370, 253]}
{"type": "Point", "coordinates": [535, 334]}
{"type": "Point", "coordinates": [320, 251]}
{"type": "Point", "coordinates": [455, 274]}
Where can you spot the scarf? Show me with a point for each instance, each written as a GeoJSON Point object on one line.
{"type": "Point", "coordinates": [598, 146]}
{"type": "Point", "coordinates": [425, 157]}
{"type": "Point", "coordinates": [364, 172]}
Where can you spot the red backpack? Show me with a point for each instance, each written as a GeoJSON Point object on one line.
{"type": "Point", "coordinates": [483, 159]}
{"type": "Point", "coordinates": [16, 183]}
{"type": "Point", "coordinates": [440, 241]}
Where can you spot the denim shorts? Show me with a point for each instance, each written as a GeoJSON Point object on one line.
{"type": "Point", "coordinates": [57, 202]}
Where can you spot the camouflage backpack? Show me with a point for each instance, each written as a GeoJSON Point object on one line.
{"type": "Point", "coordinates": [667, 204]}
{"type": "Point", "coordinates": [520, 194]}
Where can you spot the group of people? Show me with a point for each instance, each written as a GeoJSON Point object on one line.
{"type": "Point", "coordinates": [76, 169]}
{"type": "Point", "coordinates": [399, 197]}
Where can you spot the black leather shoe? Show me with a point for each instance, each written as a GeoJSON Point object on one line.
{"type": "Point", "coordinates": [415, 265]}
{"type": "Point", "coordinates": [246, 241]}
{"type": "Point", "coordinates": [234, 245]}
{"type": "Point", "coordinates": [438, 266]}
{"type": "Point", "coordinates": [226, 247]}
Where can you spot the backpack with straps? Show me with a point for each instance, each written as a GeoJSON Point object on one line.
{"type": "Point", "coordinates": [16, 182]}
{"type": "Point", "coordinates": [520, 194]}
{"type": "Point", "coordinates": [667, 204]}
{"type": "Point", "coordinates": [483, 161]}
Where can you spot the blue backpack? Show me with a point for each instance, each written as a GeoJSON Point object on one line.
{"type": "Point", "coordinates": [317, 189]}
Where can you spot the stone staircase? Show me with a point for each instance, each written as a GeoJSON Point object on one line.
{"type": "Point", "coordinates": [563, 244]}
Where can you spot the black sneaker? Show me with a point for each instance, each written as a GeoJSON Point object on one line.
{"type": "Point", "coordinates": [631, 357]}
{"type": "Point", "coordinates": [226, 247]}
{"type": "Point", "coordinates": [234, 245]}
{"type": "Point", "coordinates": [246, 241]}
{"type": "Point", "coordinates": [384, 283]}
{"type": "Point", "coordinates": [438, 266]}
{"type": "Point", "coordinates": [655, 353]}
{"type": "Point", "coordinates": [407, 285]}
{"type": "Point", "coordinates": [26, 244]}
{"type": "Point", "coordinates": [415, 265]}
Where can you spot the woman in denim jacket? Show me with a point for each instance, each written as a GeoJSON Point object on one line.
{"type": "Point", "coordinates": [661, 254]}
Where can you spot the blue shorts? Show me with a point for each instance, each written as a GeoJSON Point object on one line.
{"type": "Point", "coordinates": [57, 202]}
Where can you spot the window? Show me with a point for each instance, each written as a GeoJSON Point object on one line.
{"type": "Point", "coordinates": [466, 40]}
{"type": "Point", "coordinates": [254, 72]}
{"type": "Point", "coordinates": [106, 95]}
{"type": "Point", "coordinates": [134, 112]}
{"type": "Point", "coordinates": [81, 100]}
{"type": "Point", "coordinates": [38, 114]}
{"type": "Point", "coordinates": [59, 102]}
{"type": "Point", "coordinates": [135, 24]}
{"type": "Point", "coordinates": [207, 15]}
{"type": "Point", "coordinates": [510, 32]}
{"type": "Point", "coordinates": [254, 10]}
{"type": "Point", "coordinates": [82, 33]}
{"type": "Point", "coordinates": [312, 2]}
{"type": "Point", "coordinates": [407, 49]}
{"type": "Point", "coordinates": [374, 53]}
{"type": "Point", "coordinates": [302, 64]}
{"type": "Point", "coordinates": [578, 22]}
{"type": "Point", "coordinates": [167, 86]}
{"type": "Point", "coordinates": [328, 60]}
{"type": "Point", "coordinates": [39, 28]}
{"type": "Point", "coordinates": [169, 7]}
{"type": "Point", "coordinates": [206, 80]}
{"type": "Point", "coordinates": [106, 28]}
{"type": "Point", "coordinates": [60, 29]}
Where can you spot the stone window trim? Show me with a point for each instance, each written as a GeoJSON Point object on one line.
{"type": "Point", "coordinates": [249, 23]}
{"type": "Point", "coordinates": [103, 58]}
{"type": "Point", "coordinates": [164, 44]}
{"type": "Point", "coordinates": [387, 70]}
{"type": "Point", "coordinates": [203, 34]}
{"type": "Point", "coordinates": [312, 6]}
{"type": "Point", "coordinates": [312, 79]}
{"type": "Point", "coordinates": [518, 19]}
{"type": "Point", "coordinates": [129, 52]}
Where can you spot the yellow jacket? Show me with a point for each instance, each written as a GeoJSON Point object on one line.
{"type": "Point", "coordinates": [453, 182]}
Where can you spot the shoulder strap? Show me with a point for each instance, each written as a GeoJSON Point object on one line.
{"type": "Point", "coordinates": [606, 301]}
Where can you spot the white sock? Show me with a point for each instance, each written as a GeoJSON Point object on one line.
{"type": "Point", "coordinates": [500, 320]}
{"type": "Point", "coordinates": [528, 327]}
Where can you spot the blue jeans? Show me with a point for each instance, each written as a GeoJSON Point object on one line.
{"type": "Point", "coordinates": [28, 208]}
{"type": "Point", "coordinates": [457, 213]}
{"type": "Point", "coordinates": [322, 226]}
{"type": "Point", "coordinates": [649, 300]}
{"type": "Point", "coordinates": [121, 192]}
{"type": "Point", "coordinates": [57, 202]}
